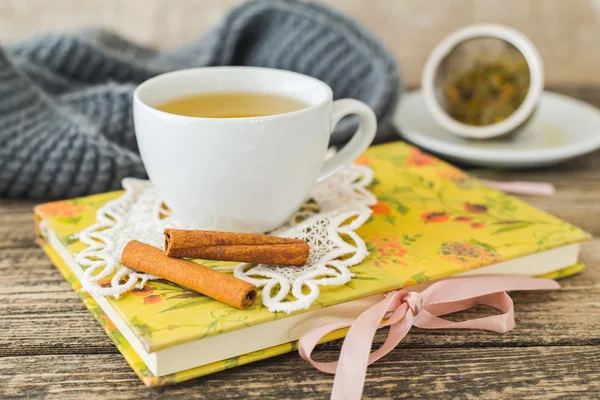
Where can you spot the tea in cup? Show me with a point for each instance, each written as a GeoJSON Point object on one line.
{"type": "Point", "coordinates": [240, 148]}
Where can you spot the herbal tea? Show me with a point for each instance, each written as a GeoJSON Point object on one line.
{"type": "Point", "coordinates": [231, 105]}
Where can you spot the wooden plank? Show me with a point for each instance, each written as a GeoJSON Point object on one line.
{"type": "Point", "coordinates": [39, 308]}
{"type": "Point", "coordinates": [28, 270]}
{"type": "Point", "coordinates": [16, 224]}
{"type": "Point", "coordinates": [588, 93]}
{"type": "Point", "coordinates": [590, 277]}
{"type": "Point", "coordinates": [17, 236]}
{"type": "Point", "coordinates": [56, 322]}
{"type": "Point", "coordinates": [17, 204]}
{"type": "Point", "coordinates": [534, 372]}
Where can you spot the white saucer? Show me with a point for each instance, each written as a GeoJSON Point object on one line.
{"type": "Point", "coordinates": [562, 128]}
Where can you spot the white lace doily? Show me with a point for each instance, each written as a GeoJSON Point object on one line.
{"type": "Point", "coordinates": [337, 208]}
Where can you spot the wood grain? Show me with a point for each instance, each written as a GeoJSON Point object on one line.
{"type": "Point", "coordinates": [63, 325]}
{"type": "Point", "coordinates": [51, 347]}
{"type": "Point", "coordinates": [535, 372]}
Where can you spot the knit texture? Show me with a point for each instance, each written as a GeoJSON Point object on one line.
{"type": "Point", "coordinates": [66, 123]}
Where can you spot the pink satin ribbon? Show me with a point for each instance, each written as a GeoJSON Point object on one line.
{"type": "Point", "coordinates": [403, 309]}
{"type": "Point", "coordinates": [522, 187]}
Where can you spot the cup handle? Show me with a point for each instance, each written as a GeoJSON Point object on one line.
{"type": "Point", "coordinates": [360, 141]}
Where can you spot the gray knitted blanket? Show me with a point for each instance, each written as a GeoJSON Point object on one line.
{"type": "Point", "coordinates": [66, 126]}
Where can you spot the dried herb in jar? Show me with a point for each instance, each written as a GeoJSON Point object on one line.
{"type": "Point", "coordinates": [488, 93]}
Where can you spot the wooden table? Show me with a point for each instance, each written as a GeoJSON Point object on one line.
{"type": "Point", "coordinates": [51, 347]}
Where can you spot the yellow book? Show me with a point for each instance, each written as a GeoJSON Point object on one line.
{"type": "Point", "coordinates": [431, 221]}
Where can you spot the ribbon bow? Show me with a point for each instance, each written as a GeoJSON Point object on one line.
{"type": "Point", "coordinates": [403, 309]}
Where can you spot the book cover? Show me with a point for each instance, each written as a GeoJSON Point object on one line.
{"type": "Point", "coordinates": [431, 221]}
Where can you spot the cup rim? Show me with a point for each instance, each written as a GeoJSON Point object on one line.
{"type": "Point", "coordinates": [520, 115]}
{"type": "Point", "coordinates": [142, 86]}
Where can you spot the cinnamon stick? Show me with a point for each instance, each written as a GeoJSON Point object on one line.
{"type": "Point", "coordinates": [232, 246]}
{"type": "Point", "coordinates": [223, 287]}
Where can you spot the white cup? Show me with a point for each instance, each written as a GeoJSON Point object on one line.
{"type": "Point", "coordinates": [242, 174]}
